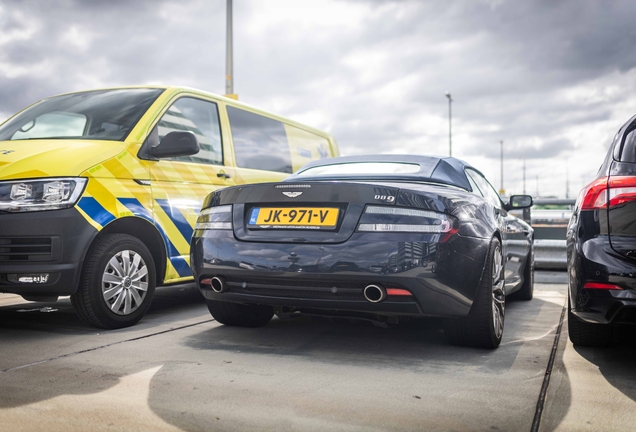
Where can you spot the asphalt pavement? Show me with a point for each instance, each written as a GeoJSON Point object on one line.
{"type": "Point", "coordinates": [180, 370]}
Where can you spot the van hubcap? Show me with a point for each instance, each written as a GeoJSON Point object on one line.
{"type": "Point", "coordinates": [125, 282]}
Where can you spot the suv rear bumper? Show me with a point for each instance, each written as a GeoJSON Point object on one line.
{"type": "Point", "coordinates": [596, 261]}
{"type": "Point", "coordinates": [36, 244]}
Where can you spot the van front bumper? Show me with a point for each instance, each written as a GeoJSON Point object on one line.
{"type": "Point", "coordinates": [41, 253]}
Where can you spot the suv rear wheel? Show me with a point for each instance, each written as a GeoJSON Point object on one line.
{"type": "Point", "coordinates": [588, 334]}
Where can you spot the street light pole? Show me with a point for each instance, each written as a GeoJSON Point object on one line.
{"type": "Point", "coordinates": [229, 55]}
{"type": "Point", "coordinates": [501, 189]}
{"type": "Point", "coordinates": [524, 175]}
{"type": "Point", "coordinates": [567, 178]}
{"type": "Point", "coordinates": [450, 131]}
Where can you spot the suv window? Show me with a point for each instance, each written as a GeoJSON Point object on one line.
{"type": "Point", "coordinates": [259, 142]}
{"type": "Point", "coordinates": [486, 188]}
{"type": "Point", "coordinates": [629, 148]}
{"type": "Point", "coordinates": [200, 117]}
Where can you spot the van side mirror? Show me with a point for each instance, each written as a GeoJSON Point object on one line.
{"type": "Point", "coordinates": [176, 143]}
{"type": "Point", "coordinates": [519, 202]}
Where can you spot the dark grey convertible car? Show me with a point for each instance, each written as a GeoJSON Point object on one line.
{"type": "Point", "coordinates": [381, 237]}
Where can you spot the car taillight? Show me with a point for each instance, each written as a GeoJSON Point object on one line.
{"type": "Point", "coordinates": [397, 219]}
{"type": "Point", "coordinates": [621, 190]}
{"type": "Point", "coordinates": [594, 195]}
{"type": "Point", "coordinates": [615, 190]}
{"type": "Point", "coordinates": [215, 218]}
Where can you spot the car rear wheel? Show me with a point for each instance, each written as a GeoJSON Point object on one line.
{"type": "Point", "coordinates": [483, 327]}
{"type": "Point", "coordinates": [240, 315]}
{"type": "Point", "coordinates": [117, 283]}
{"type": "Point", "coordinates": [588, 334]}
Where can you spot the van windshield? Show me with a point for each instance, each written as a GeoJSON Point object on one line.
{"type": "Point", "coordinates": [100, 115]}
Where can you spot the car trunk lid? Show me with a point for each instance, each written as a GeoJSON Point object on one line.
{"type": "Point", "coordinates": [308, 212]}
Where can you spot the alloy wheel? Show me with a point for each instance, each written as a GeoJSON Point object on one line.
{"type": "Point", "coordinates": [125, 282]}
{"type": "Point", "coordinates": [498, 293]}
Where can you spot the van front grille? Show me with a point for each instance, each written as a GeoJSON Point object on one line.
{"type": "Point", "coordinates": [25, 249]}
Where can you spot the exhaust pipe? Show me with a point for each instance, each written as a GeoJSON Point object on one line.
{"type": "Point", "coordinates": [374, 293]}
{"type": "Point", "coordinates": [218, 284]}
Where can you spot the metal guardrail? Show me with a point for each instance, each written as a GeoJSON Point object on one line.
{"type": "Point", "coordinates": [550, 254]}
{"type": "Point", "coordinates": [549, 230]}
{"type": "Point", "coordinates": [554, 201]}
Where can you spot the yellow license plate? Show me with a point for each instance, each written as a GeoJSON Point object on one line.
{"type": "Point", "coordinates": [294, 217]}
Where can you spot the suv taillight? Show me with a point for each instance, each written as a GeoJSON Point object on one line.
{"type": "Point", "coordinates": [622, 190]}
{"type": "Point", "coordinates": [616, 190]}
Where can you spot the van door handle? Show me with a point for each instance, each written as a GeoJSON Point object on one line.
{"type": "Point", "coordinates": [223, 175]}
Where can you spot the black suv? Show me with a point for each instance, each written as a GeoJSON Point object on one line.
{"type": "Point", "coordinates": [601, 247]}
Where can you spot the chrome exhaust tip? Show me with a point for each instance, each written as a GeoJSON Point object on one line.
{"type": "Point", "coordinates": [218, 284]}
{"type": "Point", "coordinates": [374, 293]}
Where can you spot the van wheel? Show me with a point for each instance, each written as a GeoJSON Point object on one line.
{"type": "Point", "coordinates": [240, 315]}
{"type": "Point", "coordinates": [117, 282]}
{"type": "Point", "coordinates": [483, 327]}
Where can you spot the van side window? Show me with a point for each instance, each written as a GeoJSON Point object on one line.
{"type": "Point", "coordinates": [259, 142]}
{"type": "Point", "coordinates": [200, 117]}
{"type": "Point", "coordinates": [306, 146]}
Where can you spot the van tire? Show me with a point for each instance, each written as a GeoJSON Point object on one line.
{"type": "Point", "coordinates": [240, 315]}
{"type": "Point", "coordinates": [113, 257]}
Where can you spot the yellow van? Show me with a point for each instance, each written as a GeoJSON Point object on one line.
{"type": "Point", "coordinates": [100, 190]}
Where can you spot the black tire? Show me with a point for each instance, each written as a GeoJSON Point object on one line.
{"type": "Point", "coordinates": [527, 289]}
{"type": "Point", "coordinates": [89, 301]}
{"type": "Point", "coordinates": [588, 334]}
{"type": "Point", "coordinates": [240, 315]}
{"type": "Point", "coordinates": [478, 329]}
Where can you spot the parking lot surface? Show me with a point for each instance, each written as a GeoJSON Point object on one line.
{"type": "Point", "coordinates": [180, 370]}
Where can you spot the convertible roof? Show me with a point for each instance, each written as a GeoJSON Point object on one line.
{"type": "Point", "coordinates": [446, 170]}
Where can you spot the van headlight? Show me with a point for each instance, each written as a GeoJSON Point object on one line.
{"type": "Point", "coordinates": [41, 194]}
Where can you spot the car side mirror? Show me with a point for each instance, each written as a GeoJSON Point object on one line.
{"type": "Point", "coordinates": [176, 143]}
{"type": "Point", "coordinates": [519, 202]}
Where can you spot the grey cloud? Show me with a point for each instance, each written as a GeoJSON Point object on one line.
{"type": "Point", "coordinates": [117, 43]}
{"type": "Point", "coordinates": [376, 83]}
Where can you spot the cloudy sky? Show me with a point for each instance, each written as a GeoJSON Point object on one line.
{"type": "Point", "coordinates": [553, 79]}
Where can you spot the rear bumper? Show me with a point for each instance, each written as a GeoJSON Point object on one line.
{"type": "Point", "coordinates": [442, 277]}
{"type": "Point", "coordinates": [34, 244]}
{"type": "Point", "coordinates": [596, 261]}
